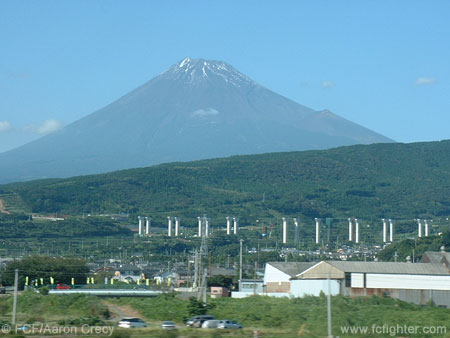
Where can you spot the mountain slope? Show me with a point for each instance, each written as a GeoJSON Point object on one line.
{"type": "Point", "coordinates": [365, 181]}
{"type": "Point", "coordinates": [196, 109]}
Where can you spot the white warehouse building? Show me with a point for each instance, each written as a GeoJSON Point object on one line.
{"type": "Point", "coordinates": [412, 282]}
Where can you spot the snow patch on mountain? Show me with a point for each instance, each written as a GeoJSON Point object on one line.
{"type": "Point", "coordinates": [205, 112]}
{"type": "Point", "coordinates": [192, 71]}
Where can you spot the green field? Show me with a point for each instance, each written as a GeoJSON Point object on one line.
{"type": "Point", "coordinates": [271, 317]}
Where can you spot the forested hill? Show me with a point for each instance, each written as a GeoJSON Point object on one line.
{"type": "Point", "coordinates": [371, 181]}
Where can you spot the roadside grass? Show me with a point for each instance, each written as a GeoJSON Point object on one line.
{"type": "Point", "coordinates": [34, 307]}
{"type": "Point", "coordinates": [305, 317]}
{"type": "Point", "coordinates": [271, 317]}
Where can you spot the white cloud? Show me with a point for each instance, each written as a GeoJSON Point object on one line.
{"type": "Point", "coordinates": [4, 126]}
{"type": "Point", "coordinates": [327, 84]}
{"type": "Point", "coordinates": [205, 112]}
{"type": "Point", "coordinates": [46, 127]}
{"type": "Point", "coordinates": [422, 81]}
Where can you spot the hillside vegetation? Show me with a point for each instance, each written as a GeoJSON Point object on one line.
{"type": "Point", "coordinates": [373, 181]}
{"type": "Point", "coordinates": [272, 317]}
{"type": "Point", "coordinates": [305, 317]}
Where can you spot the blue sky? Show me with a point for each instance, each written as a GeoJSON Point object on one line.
{"type": "Point", "coordinates": [383, 64]}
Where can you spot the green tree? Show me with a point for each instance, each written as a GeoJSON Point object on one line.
{"type": "Point", "coordinates": [196, 307]}
{"type": "Point", "coordinates": [220, 280]}
{"type": "Point", "coordinates": [62, 270]}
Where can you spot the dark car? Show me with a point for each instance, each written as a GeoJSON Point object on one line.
{"type": "Point", "coordinates": [197, 321]}
{"type": "Point", "coordinates": [2, 290]}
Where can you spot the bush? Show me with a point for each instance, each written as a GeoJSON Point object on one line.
{"type": "Point", "coordinates": [44, 290]}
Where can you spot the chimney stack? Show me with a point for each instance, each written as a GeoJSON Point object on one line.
{"type": "Point", "coordinates": [236, 224]}
{"type": "Point", "coordinates": [384, 230]}
{"type": "Point", "coordinates": [228, 225]}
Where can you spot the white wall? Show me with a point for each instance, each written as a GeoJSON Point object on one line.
{"type": "Point", "coordinates": [357, 280]}
{"type": "Point", "coordinates": [408, 282]}
{"type": "Point", "coordinates": [235, 294]}
{"type": "Point", "coordinates": [272, 274]}
{"type": "Point", "coordinates": [303, 287]}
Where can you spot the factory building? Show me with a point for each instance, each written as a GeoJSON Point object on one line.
{"type": "Point", "coordinates": [437, 257]}
{"type": "Point", "coordinates": [417, 283]}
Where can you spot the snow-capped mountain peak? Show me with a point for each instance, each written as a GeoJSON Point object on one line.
{"type": "Point", "coordinates": [192, 71]}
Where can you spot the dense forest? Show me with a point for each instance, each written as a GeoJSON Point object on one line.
{"type": "Point", "coordinates": [20, 226]}
{"type": "Point", "coordinates": [402, 181]}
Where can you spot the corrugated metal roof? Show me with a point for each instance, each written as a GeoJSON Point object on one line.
{"type": "Point", "coordinates": [392, 267]}
{"type": "Point", "coordinates": [292, 268]}
{"type": "Point", "coordinates": [436, 257]}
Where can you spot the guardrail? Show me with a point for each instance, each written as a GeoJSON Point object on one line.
{"type": "Point", "coordinates": [108, 292]}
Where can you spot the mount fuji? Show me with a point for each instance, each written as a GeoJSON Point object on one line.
{"type": "Point", "coordinates": [197, 109]}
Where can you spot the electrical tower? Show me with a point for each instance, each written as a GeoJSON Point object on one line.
{"type": "Point", "coordinates": [201, 271]}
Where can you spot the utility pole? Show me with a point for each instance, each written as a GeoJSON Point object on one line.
{"type": "Point", "coordinates": [202, 255]}
{"type": "Point", "coordinates": [240, 260]}
{"type": "Point", "coordinates": [254, 279]}
{"type": "Point", "coordinates": [205, 285]}
{"type": "Point", "coordinates": [16, 286]}
{"type": "Point", "coordinates": [330, 335]}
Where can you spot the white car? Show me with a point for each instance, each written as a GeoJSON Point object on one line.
{"type": "Point", "coordinates": [132, 322]}
{"type": "Point", "coordinates": [228, 324]}
{"type": "Point", "coordinates": [210, 324]}
{"type": "Point", "coordinates": [168, 325]}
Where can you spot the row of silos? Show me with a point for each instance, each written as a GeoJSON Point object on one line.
{"type": "Point", "coordinates": [232, 226]}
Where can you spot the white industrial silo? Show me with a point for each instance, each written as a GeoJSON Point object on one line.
{"type": "Point", "coordinates": [228, 225]}
{"type": "Point", "coordinates": [391, 231]}
{"type": "Point", "coordinates": [317, 230]}
{"type": "Point", "coordinates": [177, 226]}
{"type": "Point", "coordinates": [350, 230]}
{"type": "Point", "coordinates": [419, 228]}
{"type": "Point", "coordinates": [206, 227]}
{"type": "Point", "coordinates": [140, 225]}
{"type": "Point", "coordinates": [169, 226]}
{"type": "Point", "coordinates": [147, 225]}
{"type": "Point", "coordinates": [384, 230]}
{"type": "Point", "coordinates": [356, 230]}
{"type": "Point", "coordinates": [296, 237]}
{"type": "Point", "coordinates": [284, 230]}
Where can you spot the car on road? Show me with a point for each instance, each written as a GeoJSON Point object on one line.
{"type": "Point", "coordinates": [210, 324]}
{"type": "Point", "coordinates": [197, 321]}
{"type": "Point", "coordinates": [62, 287]}
{"type": "Point", "coordinates": [228, 324]}
{"type": "Point", "coordinates": [132, 322]}
{"type": "Point", "coordinates": [168, 325]}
